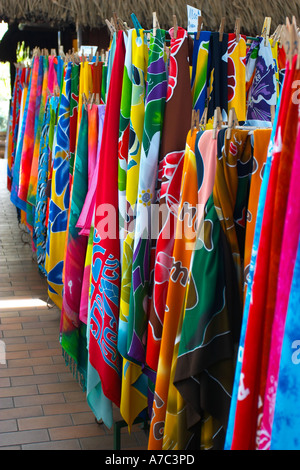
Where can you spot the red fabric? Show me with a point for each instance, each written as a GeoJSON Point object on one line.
{"type": "Point", "coordinates": [104, 356]}
{"type": "Point", "coordinates": [257, 340]}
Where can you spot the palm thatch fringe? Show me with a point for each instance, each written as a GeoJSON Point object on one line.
{"type": "Point", "coordinates": [92, 13]}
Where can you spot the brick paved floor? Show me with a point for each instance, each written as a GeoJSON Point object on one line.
{"type": "Point", "coordinates": [42, 407]}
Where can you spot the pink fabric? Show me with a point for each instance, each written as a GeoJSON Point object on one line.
{"type": "Point", "coordinates": [86, 216]}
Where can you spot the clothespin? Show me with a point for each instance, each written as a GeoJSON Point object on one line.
{"type": "Point", "coordinates": [195, 120]}
{"type": "Point", "coordinates": [175, 24]}
{"type": "Point", "coordinates": [199, 27]}
{"type": "Point", "coordinates": [237, 29]}
{"type": "Point", "coordinates": [136, 24]}
{"type": "Point", "coordinates": [123, 25]}
{"type": "Point", "coordinates": [155, 23]}
{"type": "Point", "coordinates": [92, 101]}
{"type": "Point", "coordinates": [84, 100]}
{"type": "Point", "coordinates": [221, 30]}
{"type": "Point", "coordinates": [116, 22]}
{"type": "Point", "coordinates": [97, 58]}
{"type": "Point", "coordinates": [91, 55]}
{"type": "Point", "coordinates": [97, 99]}
{"type": "Point", "coordinates": [217, 121]}
{"type": "Point", "coordinates": [111, 28]}
{"type": "Point", "coordinates": [276, 35]}
{"type": "Point", "coordinates": [266, 29]}
{"type": "Point", "coordinates": [294, 37]}
{"type": "Point", "coordinates": [232, 122]}
{"type": "Point", "coordinates": [203, 120]}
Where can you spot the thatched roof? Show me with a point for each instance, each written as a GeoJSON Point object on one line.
{"type": "Point", "coordinates": [92, 13]}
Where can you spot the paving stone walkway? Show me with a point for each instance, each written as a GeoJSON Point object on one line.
{"type": "Point", "coordinates": [42, 407]}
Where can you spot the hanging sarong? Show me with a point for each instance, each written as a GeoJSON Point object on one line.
{"type": "Point", "coordinates": [60, 197]}
{"type": "Point", "coordinates": [87, 213]}
{"type": "Point", "coordinates": [260, 151]}
{"type": "Point", "coordinates": [19, 203]}
{"type": "Point", "coordinates": [73, 332]}
{"type": "Point", "coordinates": [134, 384]}
{"type": "Point", "coordinates": [14, 123]}
{"type": "Point", "coordinates": [97, 78]}
{"type": "Point", "coordinates": [237, 75]}
{"type": "Point", "coordinates": [261, 81]}
{"type": "Point", "coordinates": [29, 136]}
{"type": "Point", "coordinates": [205, 364]}
{"type": "Point", "coordinates": [200, 70]}
{"type": "Point", "coordinates": [40, 228]}
{"type": "Point", "coordinates": [184, 244]}
{"type": "Point", "coordinates": [73, 115]}
{"type": "Point", "coordinates": [283, 250]}
{"type": "Point", "coordinates": [218, 73]}
{"type": "Point", "coordinates": [33, 181]}
{"type": "Point", "coordinates": [253, 372]}
{"type": "Point", "coordinates": [85, 221]}
{"type": "Point", "coordinates": [124, 132]}
{"type": "Point", "coordinates": [105, 284]}
{"type": "Point", "coordinates": [239, 391]}
{"type": "Point", "coordinates": [154, 114]}
{"type": "Point", "coordinates": [179, 99]}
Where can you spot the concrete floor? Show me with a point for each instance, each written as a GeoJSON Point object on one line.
{"type": "Point", "coordinates": [42, 407]}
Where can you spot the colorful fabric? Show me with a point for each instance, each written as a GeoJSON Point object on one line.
{"type": "Point", "coordinates": [168, 194]}
{"type": "Point", "coordinates": [213, 313]}
{"type": "Point", "coordinates": [60, 197]}
{"type": "Point", "coordinates": [134, 385]}
{"type": "Point", "coordinates": [74, 114]}
{"type": "Point", "coordinates": [153, 123]}
{"type": "Point", "coordinates": [105, 283]}
{"type": "Point", "coordinates": [14, 122]}
{"type": "Point", "coordinates": [261, 81]}
{"type": "Point", "coordinates": [199, 71]}
{"type": "Point", "coordinates": [260, 150]}
{"type": "Point", "coordinates": [285, 238]}
{"type": "Point", "coordinates": [85, 221]}
{"type": "Point", "coordinates": [218, 73]}
{"type": "Point", "coordinates": [253, 372]}
{"type": "Point", "coordinates": [176, 435]}
{"type": "Point", "coordinates": [19, 203]}
{"type": "Point", "coordinates": [184, 244]}
{"type": "Point", "coordinates": [32, 186]}
{"type": "Point", "coordinates": [40, 228]}
{"type": "Point", "coordinates": [285, 430]}
{"type": "Point", "coordinates": [29, 136]}
{"type": "Point", "coordinates": [73, 340]}
{"type": "Point", "coordinates": [237, 75]}
{"type": "Point", "coordinates": [239, 391]}
{"type": "Point", "coordinates": [124, 132]}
